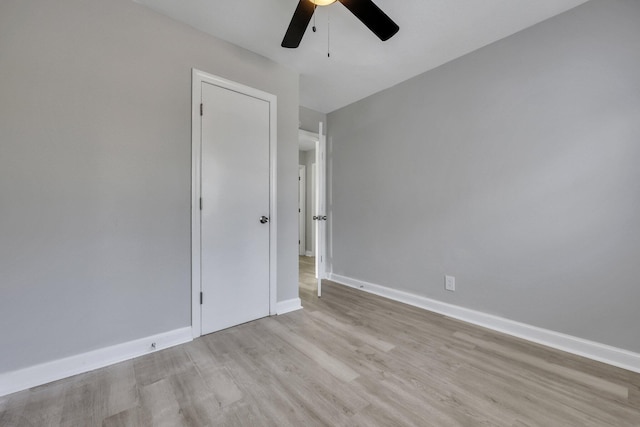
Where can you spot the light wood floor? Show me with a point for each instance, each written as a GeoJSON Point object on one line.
{"type": "Point", "coordinates": [347, 359]}
{"type": "Point", "coordinates": [307, 277]}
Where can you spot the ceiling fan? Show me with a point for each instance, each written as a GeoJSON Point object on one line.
{"type": "Point", "coordinates": [365, 10]}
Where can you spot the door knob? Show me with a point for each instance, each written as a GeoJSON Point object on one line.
{"type": "Point", "coordinates": [264, 219]}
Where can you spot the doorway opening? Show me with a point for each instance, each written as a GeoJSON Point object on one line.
{"type": "Point", "coordinates": [312, 223]}
{"type": "Point", "coordinates": [306, 205]}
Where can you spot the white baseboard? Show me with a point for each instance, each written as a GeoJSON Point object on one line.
{"type": "Point", "coordinates": [11, 382]}
{"type": "Point", "coordinates": [288, 306]}
{"type": "Point", "coordinates": [309, 253]}
{"type": "Point", "coordinates": [590, 349]}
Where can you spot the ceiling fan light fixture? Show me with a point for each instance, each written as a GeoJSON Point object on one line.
{"type": "Point", "coordinates": [322, 2]}
{"type": "Point", "coordinates": [365, 10]}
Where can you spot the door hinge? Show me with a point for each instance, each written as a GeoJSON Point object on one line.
{"type": "Point", "coordinates": [200, 203]}
{"type": "Point", "coordinates": [200, 298]}
{"type": "Point", "coordinates": [201, 109]}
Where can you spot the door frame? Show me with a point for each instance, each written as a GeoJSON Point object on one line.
{"type": "Point", "coordinates": [199, 78]}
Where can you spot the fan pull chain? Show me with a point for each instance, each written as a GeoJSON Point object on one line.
{"type": "Point", "coordinates": [329, 34]}
{"type": "Point", "coordinates": [314, 17]}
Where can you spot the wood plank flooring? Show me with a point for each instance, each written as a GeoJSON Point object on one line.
{"type": "Point", "coordinates": [347, 359]}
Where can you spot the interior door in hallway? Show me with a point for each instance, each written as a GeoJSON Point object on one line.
{"type": "Point", "coordinates": [320, 215]}
{"type": "Point", "coordinates": [235, 188]}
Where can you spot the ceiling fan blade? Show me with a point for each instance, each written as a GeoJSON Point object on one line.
{"type": "Point", "coordinates": [299, 23]}
{"type": "Point", "coordinates": [371, 16]}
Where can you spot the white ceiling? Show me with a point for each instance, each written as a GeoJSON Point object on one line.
{"type": "Point", "coordinates": [432, 32]}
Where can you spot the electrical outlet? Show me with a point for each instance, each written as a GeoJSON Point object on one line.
{"type": "Point", "coordinates": [450, 283]}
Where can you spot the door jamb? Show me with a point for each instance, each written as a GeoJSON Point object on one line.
{"type": "Point", "coordinates": [198, 78]}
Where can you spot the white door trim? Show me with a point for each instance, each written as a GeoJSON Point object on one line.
{"type": "Point", "coordinates": [198, 78]}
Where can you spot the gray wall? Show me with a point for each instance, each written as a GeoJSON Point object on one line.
{"type": "Point", "coordinates": [514, 168]}
{"type": "Point", "coordinates": [309, 119]}
{"type": "Point", "coordinates": [95, 172]}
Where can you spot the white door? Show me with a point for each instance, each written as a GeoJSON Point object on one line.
{"type": "Point", "coordinates": [313, 210]}
{"type": "Point", "coordinates": [320, 215]}
{"type": "Point", "coordinates": [235, 188]}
